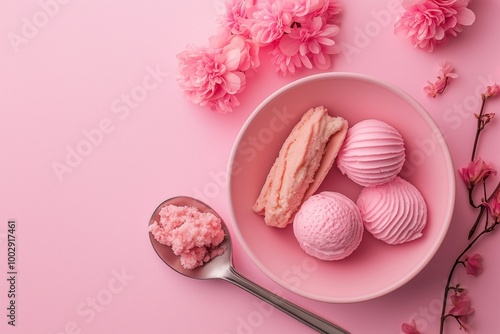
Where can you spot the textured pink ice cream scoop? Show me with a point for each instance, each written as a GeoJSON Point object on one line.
{"type": "Point", "coordinates": [192, 235]}
{"type": "Point", "coordinates": [328, 226]}
{"type": "Point", "coordinates": [373, 153]}
{"type": "Point", "coordinates": [394, 212]}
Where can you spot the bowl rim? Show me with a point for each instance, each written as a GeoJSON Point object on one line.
{"type": "Point", "coordinates": [450, 203]}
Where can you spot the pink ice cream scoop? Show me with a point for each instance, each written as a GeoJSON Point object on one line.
{"type": "Point", "coordinates": [394, 212]}
{"type": "Point", "coordinates": [194, 236]}
{"type": "Point", "coordinates": [373, 153]}
{"type": "Point", "coordinates": [328, 226]}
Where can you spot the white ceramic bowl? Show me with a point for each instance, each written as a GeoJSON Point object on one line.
{"type": "Point", "coordinates": [375, 268]}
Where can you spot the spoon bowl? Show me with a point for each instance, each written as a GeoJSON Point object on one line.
{"type": "Point", "coordinates": [221, 267]}
{"type": "Point", "coordinates": [215, 268]}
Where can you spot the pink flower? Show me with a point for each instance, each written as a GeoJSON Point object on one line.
{"type": "Point", "coordinates": [491, 91]}
{"type": "Point", "coordinates": [494, 206]}
{"type": "Point", "coordinates": [461, 310]}
{"type": "Point", "coordinates": [410, 328]}
{"type": "Point", "coordinates": [446, 72]}
{"type": "Point", "coordinates": [461, 305]}
{"type": "Point", "coordinates": [473, 265]}
{"type": "Point", "coordinates": [271, 20]}
{"type": "Point", "coordinates": [214, 74]}
{"type": "Point", "coordinates": [429, 22]}
{"type": "Point", "coordinates": [431, 89]}
{"type": "Point", "coordinates": [475, 172]}
{"type": "Point", "coordinates": [235, 20]}
{"type": "Point", "coordinates": [434, 89]}
{"type": "Point", "coordinates": [308, 45]}
{"type": "Point", "coordinates": [485, 118]}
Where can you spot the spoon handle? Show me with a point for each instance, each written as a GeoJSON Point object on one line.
{"type": "Point", "coordinates": [317, 323]}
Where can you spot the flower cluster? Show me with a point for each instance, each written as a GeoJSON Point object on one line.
{"type": "Point", "coordinates": [475, 175]}
{"type": "Point", "coordinates": [446, 72]}
{"type": "Point", "coordinates": [298, 33]}
{"type": "Point", "coordinates": [428, 23]}
{"type": "Point", "coordinates": [213, 75]}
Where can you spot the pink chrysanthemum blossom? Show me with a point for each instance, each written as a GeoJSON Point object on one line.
{"type": "Point", "coordinates": [307, 45]}
{"type": "Point", "coordinates": [429, 22]}
{"type": "Point", "coordinates": [446, 72]}
{"type": "Point", "coordinates": [235, 20]}
{"type": "Point", "coordinates": [473, 265]}
{"type": "Point", "coordinates": [299, 34]}
{"type": "Point", "coordinates": [271, 20]}
{"type": "Point", "coordinates": [213, 75]}
{"type": "Point", "coordinates": [410, 328]}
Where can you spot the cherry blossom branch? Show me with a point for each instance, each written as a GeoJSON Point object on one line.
{"type": "Point", "coordinates": [452, 271]}
{"type": "Point", "coordinates": [475, 173]}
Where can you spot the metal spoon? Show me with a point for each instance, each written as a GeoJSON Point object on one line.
{"type": "Point", "coordinates": [221, 267]}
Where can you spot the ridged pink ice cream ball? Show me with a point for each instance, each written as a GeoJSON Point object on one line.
{"type": "Point", "coordinates": [394, 212]}
{"type": "Point", "coordinates": [373, 153]}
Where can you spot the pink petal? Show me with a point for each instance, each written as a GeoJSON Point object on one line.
{"type": "Point", "coordinates": [306, 61]}
{"type": "Point", "coordinates": [233, 82]}
{"type": "Point", "coordinates": [466, 17]}
{"type": "Point", "coordinates": [321, 61]}
{"type": "Point", "coordinates": [330, 30]}
{"type": "Point", "coordinates": [316, 24]}
{"type": "Point", "coordinates": [325, 41]}
{"type": "Point", "coordinates": [289, 46]}
{"type": "Point", "coordinates": [439, 34]}
{"type": "Point", "coordinates": [314, 47]}
{"type": "Point", "coordinates": [303, 49]}
{"type": "Point", "coordinates": [232, 59]}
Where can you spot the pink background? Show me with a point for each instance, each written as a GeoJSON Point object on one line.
{"type": "Point", "coordinates": [84, 260]}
